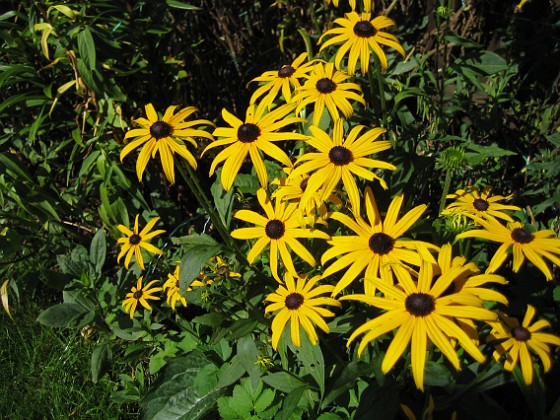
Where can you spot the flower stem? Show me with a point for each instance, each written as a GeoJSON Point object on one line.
{"type": "Point", "coordinates": [446, 186]}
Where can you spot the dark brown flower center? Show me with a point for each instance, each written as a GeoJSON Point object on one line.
{"type": "Point", "coordinates": [480, 204]}
{"type": "Point", "coordinates": [137, 295]}
{"type": "Point", "coordinates": [364, 29]}
{"type": "Point", "coordinates": [419, 304]}
{"type": "Point", "coordinates": [294, 301]}
{"type": "Point", "coordinates": [286, 71]}
{"type": "Point", "coordinates": [325, 85]}
{"type": "Point", "coordinates": [223, 270]}
{"type": "Point", "coordinates": [160, 129]}
{"type": "Point", "coordinates": [248, 132]}
{"type": "Point", "coordinates": [521, 333]}
{"type": "Point", "coordinates": [381, 243]}
{"type": "Point", "coordinates": [340, 155]}
{"type": "Point", "coordinates": [274, 229]}
{"type": "Point", "coordinates": [521, 235]}
{"type": "Point", "coordinates": [135, 239]}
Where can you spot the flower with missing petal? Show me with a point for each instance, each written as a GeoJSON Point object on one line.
{"type": "Point", "coordinates": [256, 134]}
{"type": "Point", "coordinates": [358, 35]}
{"type": "Point", "coordinates": [140, 295]}
{"type": "Point", "coordinates": [165, 136]}
{"type": "Point", "coordinates": [341, 158]}
{"type": "Point", "coordinates": [300, 303]}
{"type": "Point", "coordinates": [134, 241]}
{"type": "Point", "coordinates": [471, 202]}
{"type": "Point", "coordinates": [517, 342]}
{"type": "Point", "coordinates": [279, 228]}
{"type": "Point", "coordinates": [327, 87]}
{"type": "Point", "coordinates": [535, 246]}
{"type": "Point", "coordinates": [421, 316]}
{"type": "Point", "coordinates": [283, 81]}
{"type": "Point", "coordinates": [377, 245]}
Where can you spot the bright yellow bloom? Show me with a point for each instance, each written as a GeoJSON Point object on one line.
{"type": "Point", "coordinates": [377, 246]}
{"type": "Point", "coordinates": [165, 136]}
{"type": "Point", "coordinates": [327, 87]}
{"type": "Point", "coordinates": [472, 202]}
{"type": "Point", "coordinates": [341, 158]}
{"type": "Point", "coordinates": [284, 81]}
{"type": "Point", "coordinates": [301, 304]}
{"type": "Point", "coordinates": [173, 288]}
{"type": "Point", "coordinates": [535, 246]}
{"type": "Point", "coordinates": [359, 35]}
{"type": "Point", "coordinates": [134, 241]}
{"type": "Point", "coordinates": [422, 315]}
{"type": "Point", "coordinates": [520, 340]}
{"type": "Point", "coordinates": [142, 295]}
{"type": "Point", "coordinates": [279, 228]}
{"type": "Point", "coordinates": [257, 133]}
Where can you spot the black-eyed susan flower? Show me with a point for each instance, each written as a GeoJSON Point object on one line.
{"type": "Point", "coordinates": [421, 316]}
{"type": "Point", "coordinates": [535, 246]}
{"type": "Point", "coordinates": [283, 81]}
{"type": "Point", "coordinates": [218, 270]}
{"type": "Point", "coordinates": [140, 294]}
{"type": "Point", "coordinates": [341, 158]}
{"type": "Point", "coordinates": [173, 291]}
{"type": "Point", "coordinates": [378, 245]}
{"type": "Point", "coordinates": [359, 34]}
{"type": "Point", "coordinates": [280, 229]}
{"type": "Point", "coordinates": [257, 133]}
{"type": "Point", "coordinates": [301, 304]}
{"type": "Point", "coordinates": [135, 240]}
{"type": "Point", "coordinates": [472, 202]}
{"type": "Point", "coordinates": [328, 87]}
{"type": "Point", "coordinates": [518, 342]}
{"type": "Point", "coordinates": [165, 136]}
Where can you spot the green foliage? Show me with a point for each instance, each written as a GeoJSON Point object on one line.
{"type": "Point", "coordinates": [470, 104]}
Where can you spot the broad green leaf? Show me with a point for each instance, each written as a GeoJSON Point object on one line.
{"type": "Point", "coordinates": [223, 201]}
{"type": "Point", "coordinates": [86, 48]}
{"type": "Point", "coordinates": [248, 352]}
{"type": "Point", "coordinates": [197, 250]}
{"type": "Point", "coordinates": [290, 402]}
{"type": "Point", "coordinates": [98, 250]}
{"type": "Point", "coordinates": [481, 153]}
{"type": "Point", "coordinates": [101, 358]}
{"type": "Point", "coordinates": [174, 395]}
{"type": "Point", "coordinates": [230, 372]}
{"type": "Point", "coordinates": [72, 14]}
{"type": "Point", "coordinates": [344, 382]}
{"type": "Point", "coordinates": [311, 357]}
{"type": "Point", "coordinates": [284, 381]}
{"type": "Point", "coordinates": [436, 374]}
{"type": "Point", "coordinates": [62, 314]}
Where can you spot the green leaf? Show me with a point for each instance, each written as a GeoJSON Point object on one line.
{"type": "Point", "coordinates": [283, 381]}
{"type": "Point", "coordinates": [86, 48]}
{"type": "Point", "coordinates": [481, 153]}
{"type": "Point", "coordinates": [100, 361]}
{"type": "Point", "coordinates": [291, 402]}
{"type": "Point", "coordinates": [175, 396]}
{"type": "Point", "coordinates": [18, 172]}
{"type": "Point", "coordinates": [62, 314]}
{"type": "Point", "coordinates": [230, 372]}
{"type": "Point", "coordinates": [311, 357]}
{"type": "Point", "coordinates": [197, 250]}
{"type": "Point", "coordinates": [556, 293]}
{"type": "Point", "coordinates": [436, 374]}
{"type": "Point", "coordinates": [98, 250]}
{"type": "Point", "coordinates": [180, 5]}
{"type": "Point", "coordinates": [380, 402]}
{"type": "Point", "coordinates": [223, 201]}
{"type": "Point", "coordinates": [248, 352]}
{"type": "Point", "coordinates": [344, 382]}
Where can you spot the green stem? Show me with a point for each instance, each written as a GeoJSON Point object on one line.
{"type": "Point", "coordinates": [446, 186]}
{"type": "Point", "coordinates": [376, 73]}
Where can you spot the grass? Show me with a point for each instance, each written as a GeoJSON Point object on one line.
{"type": "Point", "coordinates": [46, 373]}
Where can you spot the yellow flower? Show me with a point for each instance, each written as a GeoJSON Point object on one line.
{"type": "Point", "coordinates": [422, 315]}
{"type": "Point", "coordinates": [472, 202]}
{"type": "Point", "coordinates": [327, 87]}
{"type": "Point", "coordinates": [339, 158]}
{"type": "Point", "coordinates": [520, 340]}
{"type": "Point", "coordinates": [257, 133]}
{"type": "Point", "coordinates": [282, 81]}
{"type": "Point", "coordinates": [165, 136]}
{"type": "Point", "coordinates": [173, 289]}
{"type": "Point", "coordinates": [359, 35]}
{"type": "Point", "coordinates": [535, 246]}
{"type": "Point", "coordinates": [377, 246]}
{"type": "Point", "coordinates": [280, 229]}
{"type": "Point", "coordinates": [301, 304]}
{"type": "Point", "coordinates": [219, 270]}
{"type": "Point", "coordinates": [134, 241]}
{"type": "Point", "coordinates": [142, 295]}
